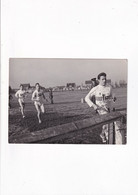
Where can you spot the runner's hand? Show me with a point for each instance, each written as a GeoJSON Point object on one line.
{"type": "Point", "coordinates": [95, 107]}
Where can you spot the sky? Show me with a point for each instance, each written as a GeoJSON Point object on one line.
{"type": "Point", "coordinates": [56, 72]}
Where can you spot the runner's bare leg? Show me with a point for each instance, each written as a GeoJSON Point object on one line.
{"type": "Point", "coordinates": [38, 112]}
{"type": "Point", "coordinates": [22, 108]}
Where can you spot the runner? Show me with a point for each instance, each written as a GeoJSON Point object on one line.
{"type": "Point", "coordinates": [51, 95]}
{"type": "Point", "coordinates": [20, 94]}
{"type": "Point", "coordinates": [103, 99]}
{"type": "Point", "coordinates": [37, 98]}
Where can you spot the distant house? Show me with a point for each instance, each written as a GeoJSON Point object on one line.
{"type": "Point", "coordinates": [88, 84]}
{"type": "Point", "coordinates": [59, 88]}
{"type": "Point", "coordinates": [26, 86]}
{"type": "Point", "coordinates": [71, 86]}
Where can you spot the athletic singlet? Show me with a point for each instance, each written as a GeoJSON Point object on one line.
{"type": "Point", "coordinates": [38, 96]}
{"type": "Point", "coordinates": [20, 94]}
{"type": "Point", "coordinates": [103, 96]}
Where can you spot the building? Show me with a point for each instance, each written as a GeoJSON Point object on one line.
{"type": "Point", "coordinates": [26, 86]}
{"type": "Point", "coordinates": [88, 84]}
{"type": "Point", "coordinates": [59, 88]}
{"type": "Point", "coordinates": [71, 86]}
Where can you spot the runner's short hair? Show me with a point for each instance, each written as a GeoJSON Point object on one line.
{"type": "Point", "coordinates": [37, 84]}
{"type": "Point", "coordinates": [21, 85]}
{"type": "Point", "coordinates": [101, 74]}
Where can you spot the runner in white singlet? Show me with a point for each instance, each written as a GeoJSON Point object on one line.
{"type": "Point", "coordinates": [38, 99]}
{"type": "Point", "coordinates": [103, 101]}
{"type": "Point", "coordinates": [20, 94]}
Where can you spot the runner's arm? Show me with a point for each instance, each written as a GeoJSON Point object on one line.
{"type": "Point", "coordinates": [17, 94]}
{"type": "Point", "coordinates": [45, 97]}
{"type": "Point", "coordinates": [89, 96]}
{"type": "Point", "coordinates": [33, 96]}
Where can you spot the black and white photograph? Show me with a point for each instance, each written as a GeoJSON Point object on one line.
{"type": "Point", "coordinates": [68, 101]}
{"type": "Point", "coordinates": [68, 97]}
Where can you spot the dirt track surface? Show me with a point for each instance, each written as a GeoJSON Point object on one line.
{"type": "Point", "coordinates": [67, 108]}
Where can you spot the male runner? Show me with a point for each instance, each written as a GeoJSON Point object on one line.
{"type": "Point", "coordinates": [37, 98]}
{"type": "Point", "coordinates": [51, 95]}
{"type": "Point", "coordinates": [20, 94]}
{"type": "Point", "coordinates": [103, 98]}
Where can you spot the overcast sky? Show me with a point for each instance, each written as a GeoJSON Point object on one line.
{"type": "Point", "coordinates": [55, 72]}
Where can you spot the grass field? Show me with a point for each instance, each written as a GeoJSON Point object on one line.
{"type": "Point", "coordinates": [67, 108]}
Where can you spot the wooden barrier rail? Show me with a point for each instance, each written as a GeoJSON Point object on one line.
{"type": "Point", "coordinates": [51, 134]}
